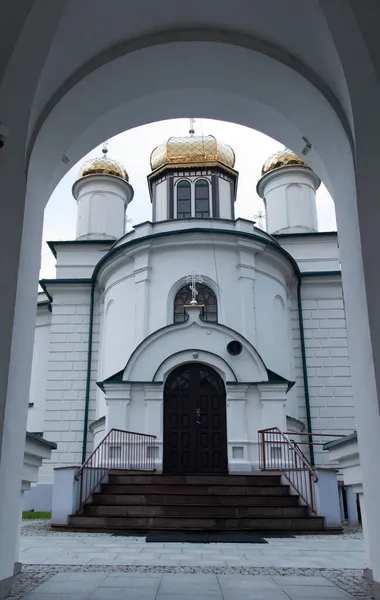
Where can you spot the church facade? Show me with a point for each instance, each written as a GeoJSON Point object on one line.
{"type": "Point", "coordinates": [197, 327]}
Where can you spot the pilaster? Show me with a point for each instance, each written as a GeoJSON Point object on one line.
{"type": "Point", "coordinates": [273, 401]}
{"type": "Point", "coordinates": [118, 397]}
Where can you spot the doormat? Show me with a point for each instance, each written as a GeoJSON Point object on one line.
{"type": "Point", "coordinates": [195, 537]}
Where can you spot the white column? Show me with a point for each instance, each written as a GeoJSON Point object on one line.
{"type": "Point", "coordinates": [361, 306]}
{"type": "Point", "coordinates": [247, 294]}
{"type": "Point", "coordinates": [352, 508]}
{"type": "Point", "coordinates": [237, 430]}
{"type": "Point", "coordinates": [118, 397]}
{"type": "Point", "coordinates": [154, 418]}
{"type": "Point", "coordinates": [141, 296]}
{"type": "Point", "coordinates": [273, 401]}
{"type": "Point", "coordinates": [17, 318]}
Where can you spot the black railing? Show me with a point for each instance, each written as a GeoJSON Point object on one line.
{"type": "Point", "coordinates": [118, 450]}
{"type": "Point", "coordinates": [279, 453]}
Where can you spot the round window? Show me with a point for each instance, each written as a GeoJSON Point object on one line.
{"type": "Point", "coordinates": [234, 348]}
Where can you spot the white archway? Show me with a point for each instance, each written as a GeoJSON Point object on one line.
{"type": "Point", "coordinates": [259, 92]}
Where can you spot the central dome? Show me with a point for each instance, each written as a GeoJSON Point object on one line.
{"type": "Point", "coordinates": [192, 151]}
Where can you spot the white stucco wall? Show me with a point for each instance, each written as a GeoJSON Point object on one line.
{"type": "Point", "coordinates": [161, 200]}
{"type": "Point", "coordinates": [66, 375]}
{"type": "Point", "coordinates": [328, 362]}
{"type": "Point", "coordinates": [36, 413]}
{"type": "Point", "coordinates": [140, 291]}
{"type": "Point", "coordinates": [225, 204]}
{"type": "Point", "coordinates": [256, 290]}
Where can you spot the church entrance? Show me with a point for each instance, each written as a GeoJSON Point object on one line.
{"type": "Point", "coordinates": [195, 421]}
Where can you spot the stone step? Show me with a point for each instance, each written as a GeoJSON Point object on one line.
{"type": "Point", "coordinates": [117, 477]}
{"type": "Point", "coordinates": [197, 490]}
{"type": "Point", "coordinates": [310, 524]}
{"type": "Point", "coordinates": [191, 511]}
{"type": "Point", "coordinates": [154, 499]}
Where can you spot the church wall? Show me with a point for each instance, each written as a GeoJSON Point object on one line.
{"type": "Point", "coordinates": [328, 363]}
{"type": "Point", "coordinates": [313, 252]}
{"type": "Point", "coordinates": [219, 270]}
{"type": "Point", "coordinates": [272, 324]}
{"type": "Point", "coordinates": [66, 376]}
{"type": "Point", "coordinates": [225, 203]}
{"type": "Point", "coordinates": [36, 413]}
{"type": "Point", "coordinates": [118, 333]}
{"type": "Point", "coordinates": [79, 260]}
{"type": "Point", "coordinates": [161, 201]}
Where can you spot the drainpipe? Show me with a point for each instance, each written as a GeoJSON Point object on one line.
{"type": "Point", "coordinates": [88, 375]}
{"type": "Point", "coordinates": [304, 371]}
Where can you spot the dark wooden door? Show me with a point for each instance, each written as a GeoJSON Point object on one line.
{"type": "Point", "coordinates": [195, 429]}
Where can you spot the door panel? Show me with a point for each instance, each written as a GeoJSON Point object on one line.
{"type": "Point", "coordinates": [195, 430]}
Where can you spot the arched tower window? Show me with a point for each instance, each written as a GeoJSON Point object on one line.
{"type": "Point", "coordinates": [205, 296]}
{"type": "Point", "coordinates": [202, 199]}
{"type": "Point", "coordinates": [183, 200]}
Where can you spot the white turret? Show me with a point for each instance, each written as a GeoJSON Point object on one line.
{"type": "Point", "coordinates": [288, 188]}
{"type": "Point", "coordinates": [103, 193]}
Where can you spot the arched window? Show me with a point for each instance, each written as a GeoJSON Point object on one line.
{"type": "Point", "coordinates": [205, 296]}
{"type": "Point", "coordinates": [202, 199]}
{"type": "Point", "coordinates": [183, 200]}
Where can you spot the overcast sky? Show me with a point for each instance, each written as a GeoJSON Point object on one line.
{"type": "Point", "coordinates": [133, 148]}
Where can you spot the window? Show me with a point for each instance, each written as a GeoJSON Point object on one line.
{"type": "Point", "coordinates": [202, 199]}
{"type": "Point", "coordinates": [205, 296]}
{"type": "Point", "coordinates": [183, 200]}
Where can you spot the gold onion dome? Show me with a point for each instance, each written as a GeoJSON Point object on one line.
{"type": "Point", "coordinates": [283, 158]}
{"type": "Point", "coordinates": [192, 151]}
{"type": "Point", "coordinates": [103, 166]}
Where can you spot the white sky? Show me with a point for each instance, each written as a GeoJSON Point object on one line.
{"type": "Point", "coordinates": [133, 148]}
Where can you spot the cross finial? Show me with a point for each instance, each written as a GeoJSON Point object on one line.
{"type": "Point", "coordinates": [193, 279]}
{"type": "Point", "coordinates": [260, 218]}
{"type": "Point", "coordinates": [105, 148]}
{"type": "Point", "coordinates": [192, 130]}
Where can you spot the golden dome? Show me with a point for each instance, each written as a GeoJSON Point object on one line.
{"type": "Point", "coordinates": [192, 151]}
{"type": "Point", "coordinates": [283, 158]}
{"type": "Point", "coordinates": [103, 166]}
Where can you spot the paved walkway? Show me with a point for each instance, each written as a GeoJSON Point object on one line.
{"type": "Point", "coordinates": [77, 566]}
{"type": "Point", "coordinates": [168, 586]}
{"type": "Point", "coordinates": [104, 549]}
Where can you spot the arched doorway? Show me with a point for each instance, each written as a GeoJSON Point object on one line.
{"type": "Point", "coordinates": [195, 423]}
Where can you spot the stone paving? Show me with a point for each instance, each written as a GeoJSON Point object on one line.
{"type": "Point", "coordinates": [77, 566]}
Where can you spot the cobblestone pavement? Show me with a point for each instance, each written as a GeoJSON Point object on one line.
{"type": "Point", "coordinates": [77, 566]}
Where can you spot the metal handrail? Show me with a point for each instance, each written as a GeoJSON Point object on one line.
{"type": "Point", "coordinates": [279, 453]}
{"type": "Point", "coordinates": [119, 449]}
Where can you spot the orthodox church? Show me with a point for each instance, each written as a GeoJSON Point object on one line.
{"type": "Point", "coordinates": [249, 323]}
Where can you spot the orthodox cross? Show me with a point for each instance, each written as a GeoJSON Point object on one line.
{"type": "Point", "coordinates": [105, 148]}
{"type": "Point", "coordinates": [260, 217]}
{"type": "Point", "coordinates": [193, 279]}
{"type": "Point", "coordinates": [192, 130]}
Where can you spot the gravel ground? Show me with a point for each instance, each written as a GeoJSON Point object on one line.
{"type": "Point", "coordinates": [349, 580]}
{"type": "Point", "coordinates": [42, 527]}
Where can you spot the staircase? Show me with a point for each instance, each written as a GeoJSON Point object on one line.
{"type": "Point", "coordinates": [140, 503]}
